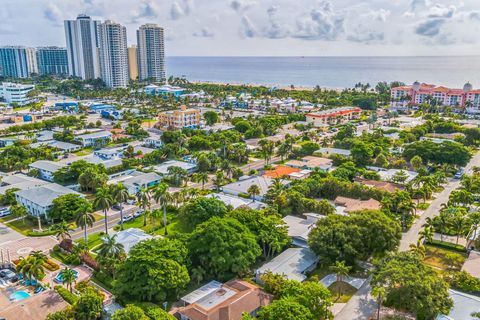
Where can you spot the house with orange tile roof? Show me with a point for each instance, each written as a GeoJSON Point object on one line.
{"type": "Point", "coordinates": [280, 172]}
{"type": "Point", "coordinates": [217, 301]}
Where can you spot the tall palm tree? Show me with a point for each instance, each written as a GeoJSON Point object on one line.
{"type": "Point", "coordinates": [85, 219]}
{"type": "Point", "coordinates": [103, 201]}
{"type": "Point", "coordinates": [418, 248]}
{"type": "Point", "coordinates": [143, 199]}
{"type": "Point", "coordinates": [69, 277]}
{"type": "Point", "coordinates": [426, 235]}
{"type": "Point", "coordinates": [120, 195]}
{"type": "Point", "coordinates": [160, 195]}
{"type": "Point", "coordinates": [341, 270]}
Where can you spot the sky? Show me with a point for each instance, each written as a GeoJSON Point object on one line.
{"type": "Point", "coordinates": [264, 27]}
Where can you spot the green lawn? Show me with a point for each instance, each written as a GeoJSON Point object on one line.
{"type": "Point", "coordinates": [93, 240]}
{"type": "Point", "coordinates": [176, 226]}
{"type": "Point", "coordinates": [83, 152]}
{"type": "Point", "coordinates": [347, 292]}
{"type": "Point", "coordinates": [24, 227]}
{"type": "Point", "coordinates": [443, 259]}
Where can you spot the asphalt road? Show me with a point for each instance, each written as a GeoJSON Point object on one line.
{"type": "Point", "coordinates": [362, 304]}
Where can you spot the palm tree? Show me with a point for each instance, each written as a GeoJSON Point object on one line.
{"type": "Point", "coordinates": [201, 177]}
{"type": "Point", "coordinates": [418, 248]}
{"type": "Point", "coordinates": [379, 293]}
{"type": "Point", "coordinates": [69, 277]}
{"type": "Point", "coordinates": [62, 230]}
{"type": "Point", "coordinates": [120, 195]}
{"type": "Point", "coordinates": [160, 195]}
{"type": "Point", "coordinates": [85, 219]}
{"type": "Point", "coordinates": [110, 248]}
{"type": "Point", "coordinates": [253, 191]}
{"type": "Point", "coordinates": [218, 180]}
{"type": "Point", "coordinates": [103, 201]}
{"type": "Point", "coordinates": [341, 270]}
{"type": "Point", "coordinates": [32, 266]}
{"type": "Point", "coordinates": [426, 235]}
{"type": "Point", "coordinates": [143, 199]}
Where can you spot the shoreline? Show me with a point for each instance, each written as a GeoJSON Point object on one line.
{"type": "Point", "coordinates": [281, 87]}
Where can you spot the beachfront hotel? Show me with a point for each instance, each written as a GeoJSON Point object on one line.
{"type": "Point", "coordinates": [404, 97]}
{"type": "Point", "coordinates": [179, 119]}
{"type": "Point", "coordinates": [333, 116]}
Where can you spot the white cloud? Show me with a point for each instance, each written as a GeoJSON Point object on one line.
{"type": "Point", "coordinates": [322, 23]}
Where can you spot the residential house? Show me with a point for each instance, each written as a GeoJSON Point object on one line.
{"type": "Point", "coordinates": [130, 237]}
{"type": "Point", "coordinates": [311, 163]}
{"type": "Point", "coordinates": [217, 301]}
{"type": "Point", "coordinates": [299, 228]}
{"type": "Point", "coordinates": [163, 167]}
{"type": "Point", "coordinates": [293, 263]}
{"type": "Point", "coordinates": [108, 154]}
{"type": "Point", "coordinates": [59, 145]}
{"type": "Point", "coordinates": [46, 168]}
{"type": "Point", "coordinates": [280, 172]}
{"type": "Point", "coordinates": [94, 139]}
{"type": "Point", "coordinates": [38, 200]}
{"type": "Point", "coordinates": [344, 205]}
{"type": "Point", "coordinates": [153, 142]}
{"type": "Point", "coordinates": [137, 180]}
{"type": "Point", "coordinates": [236, 202]}
{"type": "Point", "coordinates": [343, 152]}
{"type": "Point", "coordinates": [464, 305]}
{"type": "Point", "coordinates": [388, 174]}
{"type": "Point", "coordinates": [382, 185]}
{"type": "Point", "coordinates": [241, 186]}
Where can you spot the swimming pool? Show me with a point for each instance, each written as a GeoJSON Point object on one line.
{"type": "Point", "coordinates": [59, 277]}
{"type": "Point", "coordinates": [19, 295]}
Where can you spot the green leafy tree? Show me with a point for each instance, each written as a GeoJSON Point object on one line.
{"type": "Point", "coordinates": [341, 270]}
{"type": "Point", "coordinates": [65, 206]}
{"type": "Point", "coordinates": [154, 270]}
{"type": "Point", "coordinates": [223, 247]}
{"type": "Point", "coordinates": [361, 153]}
{"type": "Point", "coordinates": [130, 312]}
{"type": "Point", "coordinates": [211, 117]}
{"type": "Point", "coordinates": [201, 209]}
{"type": "Point", "coordinates": [285, 309]}
{"type": "Point", "coordinates": [109, 253]}
{"type": "Point", "coordinates": [412, 286]}
{"type": "Point", "coordinates": [89, 306]}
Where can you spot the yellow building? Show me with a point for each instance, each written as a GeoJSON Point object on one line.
{"type": "Point", "coordinates": [132, 62]}
{"type": "Point", "coordinates": [179, 119]}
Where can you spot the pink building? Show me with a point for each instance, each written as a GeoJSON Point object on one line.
{"type": "Point", "coordinates": [405, 97]}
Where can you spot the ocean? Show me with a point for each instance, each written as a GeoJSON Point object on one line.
{"type": "Point", "coordinates": [328, 72]}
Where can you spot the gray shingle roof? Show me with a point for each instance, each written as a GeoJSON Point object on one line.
{"type": "Point", "coordinates": [44, 195]}
{"type": "Point", "coordinates": [46, 165]}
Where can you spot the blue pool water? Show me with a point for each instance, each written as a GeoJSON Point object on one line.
{"type": "Point", "coordinates": [59, 277]}
{"type": "Point", "coordinates": [19, 295]}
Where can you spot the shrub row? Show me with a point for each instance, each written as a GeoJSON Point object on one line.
{"type": "Point", "coordinates": [66, 295]}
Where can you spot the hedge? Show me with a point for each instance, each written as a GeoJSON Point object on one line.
{"type": "Point", "coordinates": [447, 245]}
{"type": "Point", "coordinates": [40, 233]}
{"type": "Point", "coordinates": [51, 265]}
{"type": "Point", "coordinates": [66, 295]}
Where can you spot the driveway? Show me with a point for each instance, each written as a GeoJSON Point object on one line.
{"type": "Point", "coordinates": [22, 247]}
{"type": "Point", "coordinates": [360, 306]}
{"type": "Point", "coordinates": [8, 234]}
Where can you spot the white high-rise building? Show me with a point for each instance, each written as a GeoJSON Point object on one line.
{"type": "Point", "coordinates": [112, 39]}
{"type": "Point", "coordinates": [151, 52]}
{"type": "Point", "coordinates": [32, 60]}
{"type": "Point", "coordinates": [82, 47]}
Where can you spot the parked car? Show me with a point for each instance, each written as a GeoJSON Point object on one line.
{"type": "Point", "coordinates": [5, 212]}
{"type": "Point", "coordinates": [126, 218]}
{"type": "Point", "coordinates": [138, 213]}
{"type": "Point", "coordinates": [131, 201]}
{"type": "Point", "coordinates": [459, 173]}
{"type": "Point", "coordinates": [117, 206]}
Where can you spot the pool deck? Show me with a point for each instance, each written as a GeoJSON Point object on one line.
{"type": "Point", "coordinates": [36, 307]}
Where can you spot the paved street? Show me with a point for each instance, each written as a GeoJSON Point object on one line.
{"type": "Point", "coordinates": [362, 304]}
{"type": "Point", "coordinates": [411, 236]}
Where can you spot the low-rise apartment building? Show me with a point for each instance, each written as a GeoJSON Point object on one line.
{"type": "Point", "coordinates": [94, 139]}
{"type": "Point", "coordinates": [179, 119]}
{"type": "Point", "coordinates": [16, 92]}
{"type": "Point", "coordinates": [333, 116]}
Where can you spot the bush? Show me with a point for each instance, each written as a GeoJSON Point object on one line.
{"type": "Point", "coordinates": [154, 311]}
{"type": "Point", "coordinates": [463, 281]}
{"type": "Point", "coordinates": [103, 280]}
{"type": "Point", "coordinates": [66, 295]}
{"type": "Point", "coordinates": [51, 265]}
{"type": "Point", "coordinates": [447, 245]}
{"type": "Point", "coordinates": [90, 261]}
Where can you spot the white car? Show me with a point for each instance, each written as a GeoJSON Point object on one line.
{"type": "Point", "coordinates": [126, 218]}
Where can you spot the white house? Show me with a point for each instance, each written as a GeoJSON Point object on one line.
{"type": "Point", "coordinates": [19, 181]}
{"type": "Point", "coordinates": [163, 167]}
{"type": "Point", "coordinates": [46, 168]}
{"type": "Point", "coordinates": [236, 202]}
{"type": "Point", "coordinates": [136, 180]}
{"type": "Point", "coordinates": [38, 200]}
{"type": "Point", "coordinates": [94, 139]}
{"type": "Point", "coordinates": [130, 237]}
{"type": "Point", "coordinates": [241, 186]}
{"type": "Point", "coordinates": [299, 228]}
{"type": "Point", "coordinates": [294, 263]}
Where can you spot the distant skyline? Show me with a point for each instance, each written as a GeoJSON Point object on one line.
{"type": "Point", "coordinates": [264, 27]}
